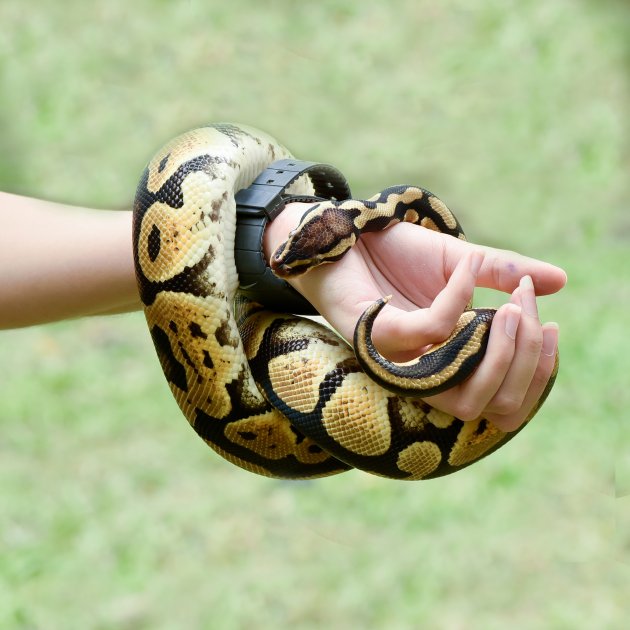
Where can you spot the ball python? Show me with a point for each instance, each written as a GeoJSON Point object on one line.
{"type": "Point", "coordinates": [274, 393]}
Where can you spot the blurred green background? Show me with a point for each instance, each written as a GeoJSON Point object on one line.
{"type": "Point", "coordinates": [115, 515]}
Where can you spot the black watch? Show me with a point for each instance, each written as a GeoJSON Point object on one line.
{"type": "Point", "coordinates": [262, 202]}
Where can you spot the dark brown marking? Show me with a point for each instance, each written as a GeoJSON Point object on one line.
{"type": "Point", "coordinates": [223, 336]}
{"type": "Point", "coordinates": [233, 132]}
{"type": "Point", "coordinates": [299, 437]}
{"type": "Point", "coordinates": [154, 243]}
{"type": "Point", "coordinates": [207, 360]}
{"type": "Point", "coordinates": [163, 163]}
{"type": "Point", "coordinates": [189, 280]}
{"type": "Point", "coordinates": [248, 435]}
{"type": "Point", "coordinates": [195, 331]}
{"type": "Point", "coordinates": [322, 231]}
{"type": "Point", "coordinates": [325, 231]}
{"type": "Point", "coordinates": [186, 356]}
{"type": "Point", "coordinates": [481, 428]}
{"type": "Point", "coordinates": [174, 371]}
{"type": "Point", "coordinates": [217, 204]}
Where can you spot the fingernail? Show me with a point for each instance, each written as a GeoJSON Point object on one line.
{"type": "Point", "coordinates": [550, 339]}
{"type": "Point", "coordinates": [475, 263]}
{"type": "Point", "coordinates": [511, 322]}
{"type": "Point", "coordinates": [528, 297]}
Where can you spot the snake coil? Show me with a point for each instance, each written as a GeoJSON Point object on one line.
{"type": "Point", "coordinates": [277, 394]}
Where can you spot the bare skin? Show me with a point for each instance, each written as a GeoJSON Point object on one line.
{"type": "Point", "coordinates": [62, 262]}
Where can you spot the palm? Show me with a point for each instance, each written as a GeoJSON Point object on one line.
{"type": "Point", "coordinates": [407, 262]}
{"type": "Point", "coordinates": [410, 263]}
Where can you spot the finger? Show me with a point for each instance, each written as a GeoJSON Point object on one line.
{"type": "Point", "coordinates": [401, 335]}
{"type": "Point", "coordinates": [510, 396]}
{"type": "Point", "coordinates": [515, 298]}
{"type": "Point", "coordinates": [546, 364]}
{"type": "Point", "coordinates": [470, 399]}
{"type": "Point", "coordinates": [502, 269]}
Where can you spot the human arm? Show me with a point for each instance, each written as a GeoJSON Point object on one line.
{"type": "Point", "coordinates": [59, 261]}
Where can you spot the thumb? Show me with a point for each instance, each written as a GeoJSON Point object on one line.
{"type": "Point", "coordinates": [402, 335]}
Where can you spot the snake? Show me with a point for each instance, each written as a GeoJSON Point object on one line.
{"type": "Point", "coordinates": [275, 393]}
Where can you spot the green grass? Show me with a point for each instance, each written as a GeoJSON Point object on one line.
{"type": "Point", "coordinates": [115, 515]}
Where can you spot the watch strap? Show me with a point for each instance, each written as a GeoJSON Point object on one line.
{"type": "Point", "coordinates": [260, 203]}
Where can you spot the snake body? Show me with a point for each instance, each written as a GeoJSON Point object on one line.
{"type": "Point", "coordinates": [274, 393]}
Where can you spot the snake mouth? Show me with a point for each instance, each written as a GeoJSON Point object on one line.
{"type": "Point", "coordinates": [285, 270]}
{"type": "Point", "coordinates": [286, 264]}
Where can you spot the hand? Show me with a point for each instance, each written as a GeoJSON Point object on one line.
{"type": "Point", "coordinates": [431, 277]}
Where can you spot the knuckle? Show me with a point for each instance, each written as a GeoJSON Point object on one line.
{"type": "Point", "coordinates": [387, 326]}
{"type": "Point", "coordinates": [501, 362]}
{"type": "Point", "coordinates": [506, 405]}
{"type": "Point", "coordinates": [467, 411]}
{"type": "Point", "coordinates": [393, 327]}
{"type": "Point", "coordinates": [533, 344]}
{"type": "Point", "coordinates": [438, 330]}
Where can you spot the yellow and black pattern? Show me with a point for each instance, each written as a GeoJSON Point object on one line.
{"type": "Point", "coordinates": [274, 393]}
{"type": "Point", "coordinates": [329, 229]}
{"type": "Point", "coordinates": [441, 367]}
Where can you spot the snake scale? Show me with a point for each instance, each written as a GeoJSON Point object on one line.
{"type": "Point", "coordinates": [274, 393]}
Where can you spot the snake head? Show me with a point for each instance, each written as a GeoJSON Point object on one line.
{"type": "Point", "coordinates": [325, 233]}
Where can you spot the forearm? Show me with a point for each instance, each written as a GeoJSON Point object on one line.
{"type": "Point", "coordinates": [58, 262]}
